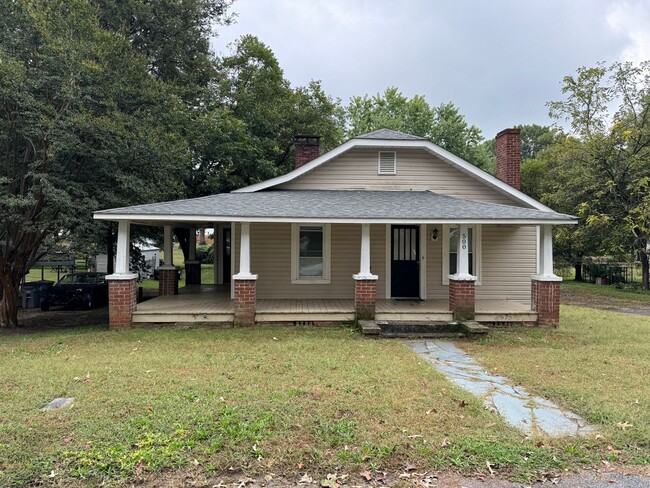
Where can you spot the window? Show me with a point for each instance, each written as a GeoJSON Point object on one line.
{"type": "Point", "coordinates": [310, 253]}
{"type": "Point", "coordinates": [387, 163]}
{"type": "Point", "coordinates": [450, 252]}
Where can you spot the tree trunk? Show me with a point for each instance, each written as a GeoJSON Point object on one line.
{"type": "Point", "coordinates": [645, 271]}
{"type": "Point", "coordinates": [183, 236]}
{"type": "Point", "coordinates": [578, 267]}
{"type": "Point", "coordinates": [9, 302]}
{"type": "Point", "coordinates": [202, 236]}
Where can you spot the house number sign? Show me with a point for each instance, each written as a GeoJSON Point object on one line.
{"type": "Point", "coordinates": [463, 241]}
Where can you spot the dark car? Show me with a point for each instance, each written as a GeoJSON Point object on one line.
{"type": "Point", "coordinates": [77, 290]}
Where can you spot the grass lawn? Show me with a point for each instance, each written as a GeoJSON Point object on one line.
{"type": "Point", "coordinates": [597, 363]}
{"type": "Point", "coordinates": [289, 400]}
{"type": "Point", "coordinates": [608, 291]}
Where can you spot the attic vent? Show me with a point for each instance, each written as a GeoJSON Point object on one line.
{"type": "Point", "coordinates": [387, 163]}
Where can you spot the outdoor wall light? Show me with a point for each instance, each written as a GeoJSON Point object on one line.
{"type": "Point", "coordinates": [434, 234]}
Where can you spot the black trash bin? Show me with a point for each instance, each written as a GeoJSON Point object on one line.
{"type": "Point", "coordinates": [34, 291]}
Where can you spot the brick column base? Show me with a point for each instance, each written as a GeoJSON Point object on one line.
{"type": "Point", "coordinates": [167, 281]}
{"type": "Point", "coordinates": [122, 300]}
{"type": "Point", "coordinates": [192, 272]}
{"type": "Point", "coordinates": [462, 299]}
{"type": "Point", "coordinates": [245, 302]}
{"type": "Point", "coordinates": [545, 300]}
{"type": "Point", "coordinates": [365, 299]}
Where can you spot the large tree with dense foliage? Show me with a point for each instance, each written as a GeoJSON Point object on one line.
{"type": "Point", "coordinates": [601, 171]}
{"type": "Point", "coordinates": [83, 125]}
{"type": "Point", "coordinates": [244, 131]}
{"type": "Point", "coordinates": [444, 125]}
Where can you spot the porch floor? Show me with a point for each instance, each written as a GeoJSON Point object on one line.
{"type": "Point", "coordinates": [210, 303]}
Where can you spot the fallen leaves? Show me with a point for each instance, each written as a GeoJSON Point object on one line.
{"type": "Point", "coordinates": [624, 425]}
{"type": "Point", "coordinates": [306, 479]}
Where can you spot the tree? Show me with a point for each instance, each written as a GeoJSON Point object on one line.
{"type": "Point", "coordinates": [173, 35]}
{"type": "Point", "coordinates": [535, 139]}
{"type": "Point", "coordinates": [443, 125]}
{"type": "Point", "coordinates": [83, 125]}
{"type": "Point", "coordinates": [602, 172]}
{"type": "Point", "coordinates": [244, 132]}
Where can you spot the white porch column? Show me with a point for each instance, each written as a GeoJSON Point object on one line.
{"type": "Point", "coordinates": [364, 265]}
{"type": "Point", "coordinates": [123, 243]}
{"type": "Point", "coordinates": [462, 268]}
{"type": "Point", "coordinates": [168, 246]}
{"type": "Point", "coordinates": [192, 244]}
{"type": "Point", "coordinates": [245, 254]}
{"type": "Point", "coordinates": [122, 285]}
{"type": "Point", "coordinates": [546, 255]}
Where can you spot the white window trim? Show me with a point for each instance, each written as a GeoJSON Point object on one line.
{"type": "Point", "coordinates": [383, 173]}
{"type": "Point", "coordinates": [327, 254]}
{"type": "Point", "coordinates": [477, 234]}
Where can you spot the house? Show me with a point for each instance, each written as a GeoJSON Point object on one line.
{"type": "Point", "coordinates": [387, 226]}
{"type": "Point", "coordinates": [150, 254]}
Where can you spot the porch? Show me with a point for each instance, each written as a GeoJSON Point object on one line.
{"type": "Point", "coordinates": [212, 304]}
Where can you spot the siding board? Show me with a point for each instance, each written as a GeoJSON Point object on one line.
{"type": "Point", "coordinates": [416, 170]}
{"type": "Point", "coordinates": [271, 261]}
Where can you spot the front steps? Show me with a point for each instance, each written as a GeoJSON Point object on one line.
{"type": "Point", "coordinates": [437, 330]}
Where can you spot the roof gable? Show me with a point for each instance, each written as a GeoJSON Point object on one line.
{"type": "Point", "coordinates": [396, 140]}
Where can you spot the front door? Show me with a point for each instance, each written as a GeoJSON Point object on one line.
{"type": "Point", "coordinates": [405, 261]}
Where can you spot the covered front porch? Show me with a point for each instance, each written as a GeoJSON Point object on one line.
{"type": "Point", "coordinates": [338, 256]}
{"type": "Point", "coordinates": [210, 304]}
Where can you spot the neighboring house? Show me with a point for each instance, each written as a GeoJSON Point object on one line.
{"type": "Point", "coordinates": [387, 225]}
{"type": "Point", "coordinates": [149, 251]}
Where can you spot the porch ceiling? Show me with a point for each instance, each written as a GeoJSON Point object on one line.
{"type": "Point", "coordinates": [343, 206]}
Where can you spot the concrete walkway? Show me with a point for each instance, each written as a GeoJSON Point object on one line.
{"type": "Point", "coordinates": [533, 415]}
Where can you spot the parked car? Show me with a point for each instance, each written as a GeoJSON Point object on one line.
{"type": "Point", "coordinates": [78, 290]}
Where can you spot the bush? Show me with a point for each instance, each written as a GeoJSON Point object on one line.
{"type": "Point", "coordinates": [204, 253]}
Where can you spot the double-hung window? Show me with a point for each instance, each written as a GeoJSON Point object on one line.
{"type": "Point", "coordinates": [310, 253]}
{"type": "Point", "coordinates": [450, 238]}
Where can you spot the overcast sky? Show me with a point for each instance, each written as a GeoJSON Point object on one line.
{"type": "Point", "coordinates": [499, 61]}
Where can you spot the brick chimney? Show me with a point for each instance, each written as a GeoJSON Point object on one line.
{"type": "Point", "coordinates": [307, 149]}
{"type": "Point", "coordinates": [508, 146]}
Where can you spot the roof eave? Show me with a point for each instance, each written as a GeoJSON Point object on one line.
{"type": "Point", "coordinates": [238, 218]}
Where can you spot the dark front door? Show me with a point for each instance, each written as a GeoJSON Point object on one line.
{"type": "Point", "coordinates": [226, 256]}
{"type": "Point", "coordinates": [405, 261]}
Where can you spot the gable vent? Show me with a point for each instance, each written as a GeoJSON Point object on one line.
{"type": "Point", "coordinates": [387, 163]}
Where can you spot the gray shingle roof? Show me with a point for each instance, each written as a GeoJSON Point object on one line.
{"type": "Point", "coordinates": [388, 134]}
{"type": "Point", "coordinates": [337, 205]}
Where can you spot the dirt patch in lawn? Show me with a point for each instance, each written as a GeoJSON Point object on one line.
{"type": "Point", "coordinates": [410, 477]}
{"type": "Point", "coordinates": [583, 298]}
{"type": "Point", "coordinates": [33, 319]}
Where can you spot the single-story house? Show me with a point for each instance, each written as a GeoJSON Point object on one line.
{"type": "Point", "coordinates": [387, 225]}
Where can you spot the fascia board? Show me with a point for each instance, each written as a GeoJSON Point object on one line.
{"type": "Point", "coordinates": [162, 219]}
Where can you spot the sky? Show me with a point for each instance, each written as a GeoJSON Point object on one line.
{"type": "Point", "coordinates": [499, 61]}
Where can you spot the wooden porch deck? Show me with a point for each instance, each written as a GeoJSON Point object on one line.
{"type": "Point", "coordinates": [212, 304]}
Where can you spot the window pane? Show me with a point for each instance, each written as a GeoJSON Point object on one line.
{"type": "Point", "coordinates": [310, 262]}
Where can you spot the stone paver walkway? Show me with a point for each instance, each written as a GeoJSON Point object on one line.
{"type": "Point", "coordinates": [531, 414]}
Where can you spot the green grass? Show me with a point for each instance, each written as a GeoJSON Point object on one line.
{"type": "Point", "coordinates": [597, 363]}
{"type": "Point", "coordinates": [268, 399]}
{"type": "Point", "coordinates": [610, 291]}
